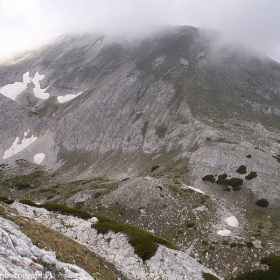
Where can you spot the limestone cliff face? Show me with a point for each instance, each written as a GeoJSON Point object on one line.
{"type": "Point", "coordinates": [116, 108]}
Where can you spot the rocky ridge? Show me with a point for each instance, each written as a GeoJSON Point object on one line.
{"type": "Point", "coordinates": [165, 264]}
{"type": "Point", "coordinates": [19, 258]}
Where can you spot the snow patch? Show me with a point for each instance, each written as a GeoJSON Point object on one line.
{"type": "Point", "coordinates": [38, 158]}
{"type": "Point", "coordinates": [67, 97]}
{"type": "Point", "coordinates": [224, 232]}
{"type": "Point", "coordinates": [192, 188]}
{"type": "Point", "coordinates": [18, 147]}
{"type": "Point", "coordinates": [183, 62]}
{"type": "Point", "coordinates": [232, 221]}
{"type": "Point", "coordinates": [201, 54]}
{"type": "Point", "coordinates": [93, 220]}
{"type": "Point", "coordinates": [13, 90]}
{"type": "Point", "coordinates": [40, 93]}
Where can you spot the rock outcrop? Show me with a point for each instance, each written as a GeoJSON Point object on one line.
{"type": "Point", "coordinates": [20, 259]}
{"type": "Point", "coordinates": [165, 264]}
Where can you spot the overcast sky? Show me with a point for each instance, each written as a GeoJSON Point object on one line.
{"type": "Point", "coordinates": [27, 24]}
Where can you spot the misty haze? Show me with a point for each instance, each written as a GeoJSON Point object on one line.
{"type": "Point", "coordinates": [139, 140]}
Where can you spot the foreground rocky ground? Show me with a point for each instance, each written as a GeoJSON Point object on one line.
{"type": "Point", "coordinates": [115, 248]}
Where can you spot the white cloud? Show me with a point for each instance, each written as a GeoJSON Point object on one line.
{"type": "Point", "coordinates": [25, 24]}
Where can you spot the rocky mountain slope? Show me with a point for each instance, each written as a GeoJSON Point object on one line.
{"type": "Point", "coordinates": [177, 133]}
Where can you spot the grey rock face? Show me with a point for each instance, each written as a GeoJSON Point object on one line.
{"type": "Point", "coordinates": [18, 256]}
{"type": "Point", "coordinates": [181, 99]}
{"type": "Point", "coordinates": [153, 102]}
{"type": "Point", "coordinates": [165, 264]}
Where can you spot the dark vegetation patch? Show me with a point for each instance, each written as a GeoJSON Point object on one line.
{"type": "Point", "coordinates": [249, 156]}
{"type": "Point", "coordinates": [144, 128]}
{"type": "Point", "coordinates": [262, 203]}
{"type": "Point", "coordinates": [96, 195]}
{"type": "Point", "coordinates": [190, 225]}
{"type": "Point", "coordinates": [6, 200]}
{"type": "Point", "coordinates": [273, 272]}
{"type": "Point", "coordinates": [161, 131]}
{"type": "Point", "coordinates": [154, 168]}
{"type": "Point", "coordinates": [208, 276]}
{"type": "Point", "coordinates": [22, 182]}
{"type": "Point", "coordinates": [251, 175]}
{"type": "Point", "coordinates": [22, 186]}
{"type": "Point", "coordinates": [241, 169]}
{"type": "Point", "coordinates": [144, 243]}
{"type": "Point", "coordinates": [249, 244]}
{"type": "Point", "coordinates": [226, 189]}
{"type": "Point", "coordinates": [209, 178]}
{"type": "Point", "coordinates": [125, 179]}
{"type": "Point", "coordinates": [238, 188]}
{"type": "Point", "coordinates": [62, 209]}
{"type": "Point", "coordinates": [277, 157]}
{"type": "Point", "coordinates": [234, 182]}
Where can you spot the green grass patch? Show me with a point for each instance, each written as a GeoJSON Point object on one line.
{"type": "Point", "coordinates": [251, 176]}
{"type": "Point", "coordinates": [209, 178]}
{"type": "Point", "coordinates": [190, 225]}
{"type": "Point", "coordinates": [238, 188]}
{"type": "Point", "coordinates": [241, 169]}
{"type": "Point", "coordinates": [144, 243]}
{"type": "Point", "coordinates": [262, 203]}
{"type": "Point", "coordinates": [22, 182]}
{"type": "Point", "coordinates": [62, 209]}
{"type": "Point", "coordinates": [273, 272]}
{"type": "Point", "coordinates": [208, 276]}
{"type": "Point", "coordinates": [154, 168]}
{"type": "Point", "coordinates": [234, 182]}
{"type": "Point", "coordinates": [96, 195]}
{"type": "Point", "coordinates": [277, 157]}
{"type": "Point", "coordinates": [6, 200]}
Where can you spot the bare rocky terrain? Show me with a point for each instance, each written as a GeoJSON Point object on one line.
{"type": "Point", "coordinates": [174, 133]}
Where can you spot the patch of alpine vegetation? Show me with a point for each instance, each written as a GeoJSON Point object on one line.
{"type": "Point", "coordinates": [145, 244]}
{"type": "Point", "coordinates": [241, 169]}
{"type": "Point", "coordinates": [6, 200]}
{"type": "Point", "coordinates": [235, 183]}
{"type": "Point", "coordinates": [262, 203]}
{"type": "Point", "coordinates": [272, 273]}
{"type": "Point", "coordinates": [209, 178]}
{"type": "Point", "coordinates": [25, 181]}
{"type": "Point", "coordinates": [59, 208]}
{"type": "Point", "coordinates": [115, 247]}
{"type": "Point", "coordinates": [51, 253]}
{"type": "Point", "coordinates": [251, 175]}
{"type": "Point", "coordinates": [277, 157]}
{"type": "Point", "coordinates": [208, 276]}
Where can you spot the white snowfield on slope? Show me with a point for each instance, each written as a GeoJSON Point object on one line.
{"type": "Point", "coordinates": [67, 97]}
{"type": "Point", "coordinates": [13, 90]}
{"type": "Point", "coordinates": [17, 147]}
